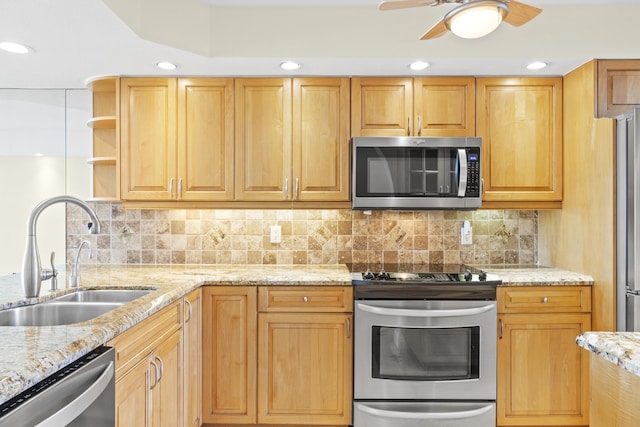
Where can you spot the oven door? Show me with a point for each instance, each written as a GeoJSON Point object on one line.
{"type": "Point", "coordinates": [425, 350]}
{"type": "Point", "coordinates": [424, 414]}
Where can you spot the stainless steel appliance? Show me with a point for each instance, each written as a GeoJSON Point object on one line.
{"type": "Point", "coordinates": [79, 395]}
{"type": "Point", "coordinates": [628, 222]}
{"type": "Point", "coordinates": [416, 173]}
{"type": "Point", "coordinates": [425, 349]}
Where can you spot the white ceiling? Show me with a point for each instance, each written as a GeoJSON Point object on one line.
{"type": "Point", "coordinates": [76, 39]}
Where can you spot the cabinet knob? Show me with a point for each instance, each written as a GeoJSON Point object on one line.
{"type": "Point", "coordinates": [305, 299]}
{"type": "Point", "coordinates": [545, 300]}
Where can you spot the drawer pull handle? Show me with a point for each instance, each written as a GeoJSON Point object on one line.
{"type": "Point", "coordinates": [545, 300]}
{"type": "Point", "coordinates": [305, 299]}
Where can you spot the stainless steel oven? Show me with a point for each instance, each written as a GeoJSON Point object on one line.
{"type": "Point", "coordinates": [425, 351]}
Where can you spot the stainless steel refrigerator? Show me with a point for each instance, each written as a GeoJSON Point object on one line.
{"type": "Point", "coordinates": [628, 221]}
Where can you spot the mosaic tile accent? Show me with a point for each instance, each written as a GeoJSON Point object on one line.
{"type": "Point", "coordinates": [331, 236]}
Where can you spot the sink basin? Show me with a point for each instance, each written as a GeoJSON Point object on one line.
{"type": "Point", "coordinates": [55, 313]}
{"type": "Point", "coordinates": [105, 295]}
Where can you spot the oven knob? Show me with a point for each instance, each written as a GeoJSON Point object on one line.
{"type": "Point", "coordinates": [482, 276]}
{"type": "Point", "coordinates": [467, 276]}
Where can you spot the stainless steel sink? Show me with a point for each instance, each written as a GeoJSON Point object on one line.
{"type": "Point", "coordinates": [105, 295]}
{"type": "Point", "coordinates": [55, 313]}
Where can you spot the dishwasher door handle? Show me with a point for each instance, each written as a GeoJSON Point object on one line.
{"type": "Point", "coordinates": [78, 405]}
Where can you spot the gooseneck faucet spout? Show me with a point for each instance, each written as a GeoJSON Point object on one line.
{"type": "Point", "coordinates": [32, 272]}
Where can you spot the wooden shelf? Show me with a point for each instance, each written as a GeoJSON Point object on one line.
{"type": "Point", "coordinates": [102, 83]}
{"type": "Point", "coordinates": [101, 160]}
{"type": "Point", "coordinates": [102, 122]}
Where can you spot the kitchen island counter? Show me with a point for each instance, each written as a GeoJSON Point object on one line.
{"type": "Point", "coordinates": [30, 354]}
{"type": "Point", "coordinates": [619, 348]}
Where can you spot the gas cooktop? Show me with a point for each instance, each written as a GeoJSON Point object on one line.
{"type": "Point", "coordinates": [435, 282]}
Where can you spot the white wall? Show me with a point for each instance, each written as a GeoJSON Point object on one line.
{"type": "Point", "coordinates": [44, 144]}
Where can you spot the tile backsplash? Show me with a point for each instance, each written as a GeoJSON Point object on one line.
{"type": "Point", "coordinates": [330, 236]}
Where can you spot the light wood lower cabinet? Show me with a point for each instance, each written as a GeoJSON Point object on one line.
{"type": "Point", "coordinates": [149, 371]}
{"type": "Point", "coordinates": [229, 339]}
{"type": "Point", "coordinates": [277, 355]}
{"type": "Point", "coordinates": [192, 334]}
{"type": "Point", "coordinates": [543, 375]}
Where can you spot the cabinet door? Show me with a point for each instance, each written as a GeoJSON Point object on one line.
{"type": "Point", "coordinates": [618, 86]}
{"type": "Point", "coordinates": [166, 400]}
{"type": "Point", "coordinates": [381, 106]}
{"type": "Point", "coordinates": [263, 139]}
{"type": "Point", "coordinates": [205, 139]}
{"type": "Point", "coordinates": [132, 397]}
{"type": "Point", "coordinates": [520, 122]}
{"type": "Point", "coordinates": [305, 369]}
{"type": "Point", "coordinates": [148, 138]}
{"type": "Point", "coordinates": [229, 338]}
{"type": "Point", "coordinates": [543, 376]}
{"type": "Point", "coordinates": [444, 106]}
{"type": "Point", "coordinates": [321, 139]}
{"type": "Point", "coordinates": [192, 360]}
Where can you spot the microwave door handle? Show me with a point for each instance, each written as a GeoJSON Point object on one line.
{"type": "Point", "coordinates": [464, 171]}
{"type": "Point", "coordinates": [405, 312]}
{"type": "Point", "coordinates": [424, 415]}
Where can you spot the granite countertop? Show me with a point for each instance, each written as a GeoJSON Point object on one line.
{"type": "Point", "coordinates": [620, 348]}
{"type": "Point", "coordinates": [535, 275]}
{"type": "Point", "coordinates": [30, 354]}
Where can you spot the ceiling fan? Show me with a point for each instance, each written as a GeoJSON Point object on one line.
{"type": "Point", "coordinates": [472, 18]}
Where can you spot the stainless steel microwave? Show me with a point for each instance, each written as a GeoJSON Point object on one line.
{"type": "Point", "coordinates": [413, 173]}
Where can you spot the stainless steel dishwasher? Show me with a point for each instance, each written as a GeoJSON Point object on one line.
{"type": "Point", "coordinates": [80, 394]}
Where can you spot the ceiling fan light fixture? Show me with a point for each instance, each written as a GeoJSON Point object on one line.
{"type": "Point", "coordinates": [476, 19]}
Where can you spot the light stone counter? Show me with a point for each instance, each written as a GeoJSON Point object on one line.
{"type": "Point", "coordinates": [532, 275]}
{"type": "Point", "coordinates": [620, 348]}
{"type": "Point", "coordinates": [30, 354]}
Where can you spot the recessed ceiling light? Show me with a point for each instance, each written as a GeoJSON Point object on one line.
{"type": "Point", "coordinates": [537, 65]}
{"type": "Point", "coordinates": [166, 65]}
{"type": "Point", "coordinates": [14, 47]}
{"type": "Point", "coordinates": [419, 65]}
{"type": "Point", "coordinates": [290, 65]}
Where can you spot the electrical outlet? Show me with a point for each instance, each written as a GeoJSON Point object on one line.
{"type": "Point", "coordinates": [276, 234]}
{"type": "Point", "coordinates": [466, 234]}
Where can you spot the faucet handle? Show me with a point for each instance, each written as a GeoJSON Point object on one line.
{"type": "Point", "coordinates": [54, 273]}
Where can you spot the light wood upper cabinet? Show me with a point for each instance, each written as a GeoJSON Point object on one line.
{"type": "Point", "coordinates": [618, 86]}
{"type": "Point", "coordinates": [148, 138]}
{"type": "Point", "coordinates": [229, 336]}
{"type": "Point", "coordinates": [520, 122]}
{"type": "Point", "coordinates": [205, 139]}
{"type": "Point", "coordinates": [263, 138]}
{"type": "Point", "coordinates": [543, 376]}
{"type": "Point", "coordinates": [320, 139]}
{"type": "Point", "coordinates": [292, 139]}
{"type": "Point", "coordinates": [176, 139]}
{"type": "Point", "coordinates": [429, 106]}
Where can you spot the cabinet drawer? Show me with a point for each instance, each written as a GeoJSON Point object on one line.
{"type": "Point", "coordinates": [135, 343]}
{"type": "Point", "coordinates": [338, 299]}
{"type": "Point", "coordinates": [544, 299]}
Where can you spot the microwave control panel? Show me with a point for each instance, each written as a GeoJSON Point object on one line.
{"type": "Point", "coordinates": [473, 176]}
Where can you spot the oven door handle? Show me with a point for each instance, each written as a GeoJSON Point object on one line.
{"type": "Point", "coordinates": [406, 312]}
{"type": "Point", "coordinates": [457, 415]}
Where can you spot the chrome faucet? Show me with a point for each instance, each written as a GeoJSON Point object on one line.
{"type": "Point", "coordinates": [74, 279]}
{"type": "Point", "coordinates": [32, 272]}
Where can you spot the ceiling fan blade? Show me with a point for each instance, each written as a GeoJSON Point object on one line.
{"type": "Point", "coordinates": [520, 13]}
{"type": "Point", "coordinates": [402, 4]}
{"type": "Point", "coordinates": [435, 31]}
